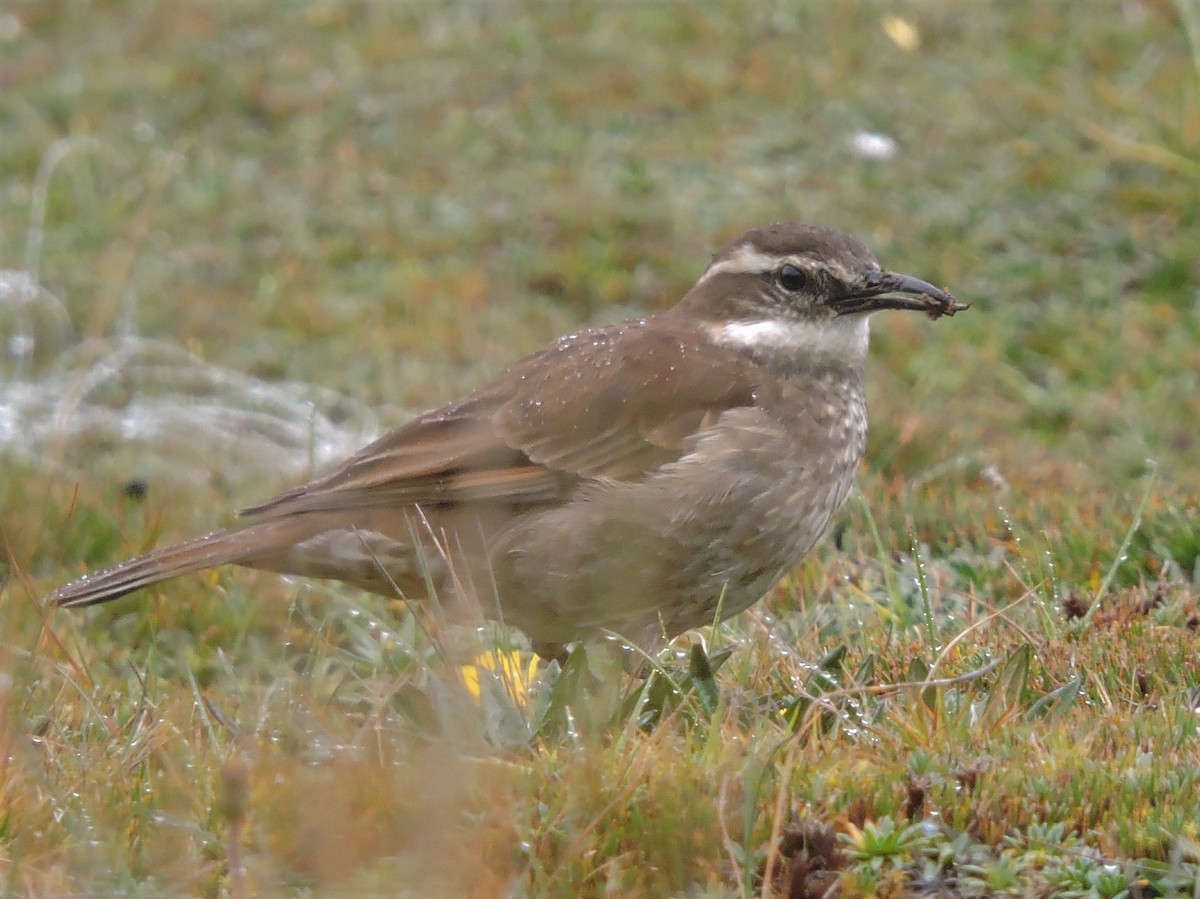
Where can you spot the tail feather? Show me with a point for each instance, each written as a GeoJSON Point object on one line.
{"type": "Point", "coordinates": [236, 545]}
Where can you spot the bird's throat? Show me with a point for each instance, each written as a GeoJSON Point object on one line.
{"type": "Point", "coordinates": [842, 340]}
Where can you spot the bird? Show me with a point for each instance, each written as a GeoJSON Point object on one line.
{"type": "Point", "coordinates": [636, 479]}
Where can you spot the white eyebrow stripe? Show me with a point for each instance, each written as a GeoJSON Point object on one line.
{"type": "Point", "coordinates": [747, 260]}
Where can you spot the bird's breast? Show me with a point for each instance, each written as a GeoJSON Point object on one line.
{"type": "Point", "coordinates": [712, 531]}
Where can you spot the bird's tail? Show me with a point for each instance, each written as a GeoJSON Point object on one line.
{"type": "Point", "coordinates": [236, 545]}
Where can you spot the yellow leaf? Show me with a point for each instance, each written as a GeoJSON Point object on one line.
{"type": "Point", "coordinates": [903, 33]}
{"type": "Point", "coordinates": [514, 671]}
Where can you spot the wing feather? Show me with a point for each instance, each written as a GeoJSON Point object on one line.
{"type": "Point", "coordinates": [568, 413]}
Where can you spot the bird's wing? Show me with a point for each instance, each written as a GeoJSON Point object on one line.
{"type": "Point", "coordinates": [614, 402]}
{"type": "Point", "coordinates": [640, 394]}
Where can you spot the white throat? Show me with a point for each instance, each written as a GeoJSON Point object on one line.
{"type": "Point", "coordinates": [844, 337]}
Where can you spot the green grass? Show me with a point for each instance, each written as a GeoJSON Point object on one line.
{"type": "Point", "coordinates": [983, 683]}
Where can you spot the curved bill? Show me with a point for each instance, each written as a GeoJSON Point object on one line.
{"type": "Point", "coordinates": [891, 290]}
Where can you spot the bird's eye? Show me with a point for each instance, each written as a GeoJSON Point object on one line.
{"type": "Point", "coordinates": [791, 278]}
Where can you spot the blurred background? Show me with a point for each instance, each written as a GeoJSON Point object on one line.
{"type": "Point", "coordinates": [239, 239]}
{"type": "Point", "coordinates": [357, 207]}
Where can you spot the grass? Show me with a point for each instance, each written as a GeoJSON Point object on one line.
{"type": "Point", "coordinates": [983, 683]}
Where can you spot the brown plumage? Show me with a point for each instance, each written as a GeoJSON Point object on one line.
{"type": "Point", "coordinates": [631, 478]}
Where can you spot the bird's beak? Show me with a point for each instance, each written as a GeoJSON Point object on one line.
{"type": "Point", "coordinates": [889, 290]}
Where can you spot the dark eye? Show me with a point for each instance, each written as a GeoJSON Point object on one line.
{"type": "Point", "coordinates": [791, 278]}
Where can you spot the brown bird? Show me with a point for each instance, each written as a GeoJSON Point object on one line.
{"type": "Point", "coordinates": [640, 478]}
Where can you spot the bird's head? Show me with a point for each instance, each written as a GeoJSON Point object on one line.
{"type": "Point", "coordinates": [804, 292]}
